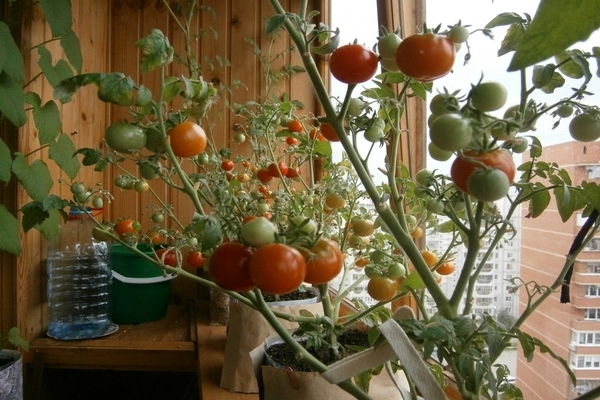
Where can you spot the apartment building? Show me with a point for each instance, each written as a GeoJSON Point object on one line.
{"type": "Point", "coordinates": [572, 330]}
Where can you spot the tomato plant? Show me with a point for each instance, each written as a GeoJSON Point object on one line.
{"type": "Point", "coordinates": [323, 262]}
{"type": "Point", "coordinates": [102, 234]}
{"type": "Point", "coordinates": [463, 167]}
{"type": "Point", "coordinates": [315, 134]}
{"type": "Point", "coordinates": [263, 175]}
{"type": "Point", "coordinates": [446, 268]}
{"type": "Point", "coordinates": [195, 259]}
{"type": "Point", "coordinates": [488, 96]}
{"type": "Point", "coordinates": [430, 257]}
{"type": "Point", "coordinates": [275, 169]}
{"type": "Point", "coordinates": [127, 226]}
{"type": "Point", "coordinates": [167, 257]}
{"type": "Point", "coordinates": [229, 266]}
{"type": "Point", "coordinates": [329, 132]}
{"type": "Point", "coordinates": [227, 165]}
{"type": "Point", "coordinates": [363, 227]}
{"type": "Point", "coordinates": [387, 45]}
{"type": "Point", "coordinates": [353, 64]}
{"type": "Point", "coordinates": [295, 126]}
{"type": "Point", "coordinates": [154, 142]}
{"type": "Point", "coordinates": [425, 57]}
{"type": "Point", "coordinates": [488, 184]}
{"type": "Point", "coordinates": [187, 139]}
{"type": "Point", "coordinates": [97, 202]}
{"type": "Point", "coordinates": [585, 127]}
{"type": "Point", "coordinates": [277, 268]}
{"type": "Point", "coordinates": [149, 169]}
{"type": "Point", "coordinates": [259, 231]}
{"type": "Point", "coordinates": [334, 201]}
{"type": "Point", "coordinates": [293, 172]}
{"type": "Point", "coordinates": [450, 132]}
{"type": "Point", "coordinates": [125, 138]}
{"type": "Point", "coordinates": [382, 288]}
{"type": "Point", "coordinates": [292, 141]}
{"type": "Point", "coordinates": [141, 186]}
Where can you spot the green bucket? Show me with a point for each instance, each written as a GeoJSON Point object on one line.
{"type": "Point", "coordinates": [140, 292]}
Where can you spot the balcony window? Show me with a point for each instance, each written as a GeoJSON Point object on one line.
{"type": "Point", "coordinates": [586, 338]}
{"type": "Point", "coordinates": [592, 291]}
{"type": "Point", "coordinates": [592, 313]}
{"type": "Point", "coordinates": [585, 362]}
{"type": "Point", "coordinates": [593, 268]}
{"type": "Point", "coordinates": [593, 245]}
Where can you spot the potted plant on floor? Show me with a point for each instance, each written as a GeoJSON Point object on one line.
{"type": "Point", "coordinates": [403, 204]}
{"type": "Point", "coordinates": [11, 366]}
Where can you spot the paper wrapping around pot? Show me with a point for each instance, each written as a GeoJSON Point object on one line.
{"type": "Point", "coordinates": [247, 330]}
{"type": "Point", "coordinates": [281, 384]}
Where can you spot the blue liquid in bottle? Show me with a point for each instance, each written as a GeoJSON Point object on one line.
{"type": "Point", "coordinates": [79, 280]}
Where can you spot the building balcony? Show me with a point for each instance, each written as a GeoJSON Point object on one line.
{"type": "Point", "coordinates": [585, 302]}
{"type": "Point", "coordinates": [581, 324]}
{"type": "Point", "coordinates": [485, 279]}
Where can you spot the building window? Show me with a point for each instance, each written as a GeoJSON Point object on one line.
{"type": "Point", "coordinates": [593, 245]}
{"type": "Point", "coordinates": [593, 171]}
{"type": "Point", "coordinates": [585, 385]}
{"type": "Point", "coordinates": [585, 362]}
{"type": "Point", "coordinates": [593, 268]}
{"type": "Point", "coordinates": [583, 338]}
{"type": "Point", "coordinates": [508, 298]}
{"type": "Point", "coordinates": [592, 291]}
{"type": "Point", "coordinates": [592, 313]}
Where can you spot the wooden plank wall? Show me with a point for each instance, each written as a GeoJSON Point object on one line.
{"type": "Point", "coordinates": [108, 30]}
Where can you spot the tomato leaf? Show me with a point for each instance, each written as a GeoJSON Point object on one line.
{"type": "Point", "coordinates": [12, 100]}
{"type": "Point", "coordinates": [330, 46]}
{"type": "Point", "coordinates": [70, 44]}
{"type": "Point", "coordinates": [12, 61]}
{"type": "Point", "coordinates": [507, 18]}
{"type": "Point", "coordinates": [63, 153]}
{"type": "Point", "coordinates": [35, 178]}
{"type": "Point", "coordinates": [363, 379]}
{"type": "Point", "coordinates": [116, 88]}
{"type": "Point", "coordinates": [156, 51]}
{"type": "Point", "coordinates": [274, 23]}
{"type": "Point", "coordinates": [413, 282]}
{"type": "Point", "coordinates": [9, 240]}
{"type": "Point", "coordinates": [5, 162]}
{"type": "Point", "coordinates": [591, 192]}
{"type": "Point", "coordinates": [46, 118]}
{"type": "Point", "coordinates": [552, 30]}
{"type": "Point", "coordinates": [67, 88]}
{"type": "Point", "coordinates": [538, 203]}
{"type": "Point", "coordinates": [511, 39]}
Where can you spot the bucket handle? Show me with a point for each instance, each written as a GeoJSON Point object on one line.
{"type": "Point", "coordinates": [155, 279]}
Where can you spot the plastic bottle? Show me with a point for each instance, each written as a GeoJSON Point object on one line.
{"type": "Point", "coordinates": [79, 280]}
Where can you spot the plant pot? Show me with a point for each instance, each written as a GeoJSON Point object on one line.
{"type": "Point", "coordinates": [247, 330]}
{"type": "Point", "coordinates": [11, 375]}
{"type": "Point", "coordinates": [280, 382]}
{"type": "Point", "coordinates": [140, 291]}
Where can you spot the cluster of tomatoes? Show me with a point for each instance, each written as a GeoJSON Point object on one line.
{"type": "Point", "coordinates": [261, 261]}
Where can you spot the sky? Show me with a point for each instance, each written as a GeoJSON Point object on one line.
{"type": "Point", "coordinates": [357, 19]}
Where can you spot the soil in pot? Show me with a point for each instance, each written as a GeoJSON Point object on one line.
{"type": "Point", "coordinates": [350, 340]}
{"type": "Point", "coordinates": [295, 295]}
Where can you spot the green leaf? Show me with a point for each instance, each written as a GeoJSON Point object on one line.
{"type": "Point", "coordinates": [35, 178]}
{"type": "Point", "coordinates": [596, 53]}
{"type": "Point", "coordinates": [539, 202]}
{"type": "Point", "coordinates": [330, 46]}
{"type": "Point", "coordinates": [46, 118]}
{"type": "Point", "coordinates": [557, 81]}
{"type": "Point", "coordinates": [70, 44]}
{"type": "Point", "coordinates": [12, 60]}
{"type": "Point", "coordinates": [413, 282]}
{"type": "Point", "coordinates": [62, 152]}
{"type": "Point", "coordinates": [322, 148]}
{"type": "Point", "coordinates": [67, 88]}
{"type": "Point", "coordinates": [14, 337]}
{"type": "Point", "coordinates": [9, 234]}
{"type": "Point", "coordinates": [171, 88]}
{"type": "Point", "coordinates": [5, 162]}
{"type": "Point", "coordinates": [12, 100]}
{"type": "Point", "coordinates": [567, 65]}
{"type": "Point", "coordinates": [511, 39]}
{"type": "Point", "coordinates": [156, 51]}
{"type": "Point", "coordinates": [495, 343]}
{"type": "Point", "coordinates": [51, 226]}
{"type": "Point", "coordinates": [553, 30]}
{"type": "Point", "coordinates": [54, 202]}
{"type": "Point", "coordinates": [274, 23]}
{"type": "Point", "coordinates": [363, 380]}
{"type": "Point", "coordinates": [33, 215]}
{"type": "Point", "coordinates": [59, 15]}
{"type": "Point", "coordinates": [591, 192]}
{"type": "Point", "coordinates": [568, 201]}
{"type": "Point", "coordinates": [507, 18]}
{"type": "Point", "coordinates": [53, 73]}
{"type": "Point", "coordinates": [90, 156]}
{"type": "Point", "coordinates": [117, 88]}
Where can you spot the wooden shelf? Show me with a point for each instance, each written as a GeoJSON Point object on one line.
{"type": "Point", "coordinates": [165, 345]}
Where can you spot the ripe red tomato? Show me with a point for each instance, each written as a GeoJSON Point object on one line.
{"type": "Point", "coordinates": [462, 168]}
{"type": "Point", "coordinates": [315, 134]}
{"type": "Point", "coordinates": [195, 259]}
{"type": "Point", "coordinates": [328, 132]}
{"type": "Point", "coordinates": [127, 226]}
{"type": "Point", "coordinates": [187, 139]}
{"type": "Point", "coordinates": [292, 141]}
{"type": "Point", "coordinates": [293, 172]}
{"type": "Point", "coordinates": [263, 175]}
{"type": "Point", "coordinates": [229, 267]}
{"type": "Point", "coordinates": [425, 57]}
{"type": "Point", "coordinates": [227, 165]}
{"type": "Point", "coordinates": [323, 262]}
{"type": "Point", "coordinates": [275, 168]}
{"type": "Point", "coordinates": [353, 64]}
{"type": "Point", "coordinates": [295, 126]}
{"type": "Point", "coordinates": [277, 268]}
{"type": "Point", "coordinates": [167, 256]}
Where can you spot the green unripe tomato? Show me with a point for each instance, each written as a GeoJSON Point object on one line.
{"type": "Point", "coordinates": [435, 206]}
{"type": "Point", "coordinates": [239, 137]}
{"type": "Point", "coordinates": [423, 176]}
{"type": "Point", "coordinates": [258, 232]}
{"type": "Point", "coordinates": [458, 34]}
{"type": "Point", "coordinates": [389, 64]}
{"type": "Point", "coordinates": [157, 217]}
{"type": "Point", "coordinates": [149, 169]}
{"type": "Point", "coordinates": [77, 188]}
{"type": "Point", "coordinates": [355, 107]}
{"type": "Point", "coordinates": [396, 270]}
{"type": "Point", "coordinates": [387, 46]}
{"type": "Point", "coordinates": [564, 111]}
{"type": "Point", "coordinates": [585, 127]}
{"type": "Point", "coordinates": [97, 202]}
{"type": "Point", "coordinates": [82, 197]}
{"type": "Point", "coordinates": [203, 159]}
{"type": "Point", "coordinates": [125, 138]}
{"type": "Point", "coordinates": [488, 96]}
{"type": "Point", "coordinates": [374, 133]}
{"type": "Point", "coordinates": [488, 184]}
{"type": "Point", "coordinates": [451, 132]}
{"type": "Point", "coordinates": [438, 154]}
{"type": "Point", "coordinates": [141, 186]}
